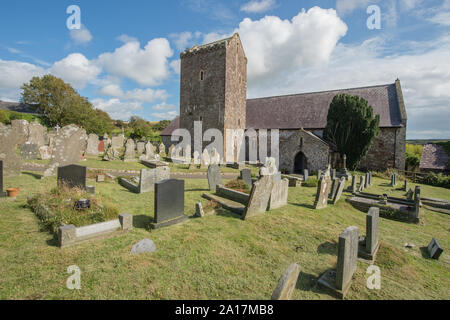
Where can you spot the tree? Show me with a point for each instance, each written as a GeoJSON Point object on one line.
{"type": "Point", "coordinates": [140, 128]}
{"type": "Point", "coordinates": [352, 127]}
{"type": "Point", "coordinates": [61, 105]}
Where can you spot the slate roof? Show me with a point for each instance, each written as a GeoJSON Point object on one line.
{"type": "Point", "coordinates": [173, 125]}
{"type": "Point", "coordinates": [18, 107]}
{"type": "Point", "coordinates": [310, 110]}
{"type": "Point", "coordinates": [434, 157]}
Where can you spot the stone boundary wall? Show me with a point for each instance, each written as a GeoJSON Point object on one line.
{"type": "Point", "coordinates": [69, 234]}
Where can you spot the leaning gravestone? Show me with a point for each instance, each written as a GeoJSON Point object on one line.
{"type": "Point", "coordinates": [340, 189]}
{"type": "Point", "coordinates": [246, 176]}
{"type": "Point", "coordinates": [9, 139]}
{"type": "Point", "coordinates": [214, 177]}
{"type": "Point", "coordinates": [369, 245]}
{"type": "Point", "coordinates": [279, 194]}
{"type": "Point", "coordinates": [29, 151]}
{"type": "Point", "coordinates": [68, 147]}
{"type": "Point", "coordinates": [287, 283]}
{"type": "Point", "coordinates": [321, 200]}
{"type": "Point", "coordinates": [2, 193]}
{"type": "Point", "coordinates": [334, 188]}
{"type": "Point", "coordinates": [339, 280]}
{"type": "Point", "coordinates": [434, 249]}
{"type": "Point", "coordinates": [92, 145]}
{"type": "Point", "coordinates": [259, 197]}
{"type": "Point", "coordinates": [72, 176]}
{"type": "Point", "coordinates": [199, 210]}
{"type": "Point", "coordinates": [169, 203]}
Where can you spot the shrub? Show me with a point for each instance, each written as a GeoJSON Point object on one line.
{"type": "Point", "coordinates": [238, 185]}
{"type": "Point", "coordinates": [437, 180]}
{"type": "Point", "coordinates": [311, 182]}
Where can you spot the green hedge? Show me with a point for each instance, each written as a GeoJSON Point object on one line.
{"type": "Point", "coordinates": [437, 180]}
{"type": "Point", "coordinates": [7, 116]}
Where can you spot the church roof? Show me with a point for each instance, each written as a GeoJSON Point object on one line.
{"type": "Point", "coordinates": [310, 110]}
{"type": "Point", "coordinates": [173, 125]}
{"type": "Point", "coordinates": [434, 157]}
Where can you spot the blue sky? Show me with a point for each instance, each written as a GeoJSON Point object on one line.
{"type": "Point", "coordinates": [125, 57]}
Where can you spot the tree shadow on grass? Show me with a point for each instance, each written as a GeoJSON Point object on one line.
{"type": "Point", "coordinates": [227, 214]}
{"type": "Point", "coordinates": [425, 253]}
{"type": "Point", "coordinates": [307, 282]}
{"type": "Point", "coordinates": [34, 175]}
{"type": "Point", "coordinates": [327, 247]}
{"type": "Point", "coordinates": [303, 205]}
{"type": "Point", "coordinates": [198, 189]}
{"type": "Point", "coordinates": [141, 221]}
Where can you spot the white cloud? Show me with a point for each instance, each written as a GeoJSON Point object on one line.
{"type": "Point", "coordinates": [170, 115]}
{"type": "Point", "coordinates": [126, 38]}
{"type": "Point", "coordinates": [256, 6]}
{"type": "Point", "coordinates": [148, 66]}
{"type": "Point", "coordinates": [442, 18]}
{"type": "Point", "coordinates": [76, 69]}
{"type": "Point", "coordinates": [163, 107]}
{"type": "Point", "coordinates": [344, 7]}
{"type": "Point", "coordinates": [13, 75]}
{"type": "Point", "coordinates": [81, 36]}
{"type": "Point", "coordinates": [143, 95]}
{"type": "Point", "coordinates": [182, 39]}
{"type": "Point", "coordinates": [176, 66]}
{"type": "Point", "coordinates": [117, 109]}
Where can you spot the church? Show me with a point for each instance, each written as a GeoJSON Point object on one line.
{"type": "Point", "coordinates": [213, 89]}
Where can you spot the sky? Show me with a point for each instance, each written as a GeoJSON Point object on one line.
{"type": "Point", "coordinates": [124, 56]}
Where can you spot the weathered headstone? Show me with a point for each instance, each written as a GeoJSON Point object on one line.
{"type": "Point", "coordinates": [434, 249]}
{"type": "Point", "coordinates": [149, 152]}
{"type": "Point", "coordinates": [333, 174]}
{"type": "Point", "coordinates": [246, 176]}
{"type": "Point", "coordinates": [100, 178]}
{"type": "Point", "coordinates": [369, 245]}
{"type": "Point", "coordinates": [279, 194]}
{"type": "Point", "coordinates": [340, 189]}
{"type": "Point", "coordinates": [199, 210]}
{"type": "Point", "coordinates": [410, 194]}
{"type": "Point", "coordinates": [169, 203]}
{"type": "Point", "coordinates": [148, 178]}
{"type": "Point", "coordinates": [2, 193]}
{"type": "Point", "coordinates": [305, 175]}
{"type": "Point", "coordinates": [171, 153]}
{"type": "Point", "coordinates": [393, 180]}
{"type": "Point", "coordinates": [362, 182]}
{"type": "Point", "coordinates": [143, 246]}
{"type": "Point", "coordinates": [117, 142]}
{"type": "Point", "coordinates": [92, 145]}
{"type": "Point", "coordinates": [29, 151]}
{"type": "Point", "coordinates": [366, 185]}
{"type": "Point", "coordinates": [45, 152]}
{"type": "Point", "coordinates": [130, 154]}
{"type": "Point", "coordinates": [354, 177]}
{"type": "Point", "coordinates": [72, 176]}
{"type": "Point", "coordinates": [286, 284]}
{"type": "Point", "coordinates": [9, 139]}
{"type": "Point", "coordinates": [37, 134]}
{"type": "Point", "coordinates": [269, 167]}
{"type": "Point", "coordinates": [162, 150]}
{"type": "Point", "coordinates": [214, 177]}
{"type": "Point", "coordinates": [405, 185]}
{"type": "Point", "coordinates": [68, 146]}
{"type": "Point", "coordinates": [206, 159]}
{"type": "Point", "coordinates": [334, 188]}
{"type": "Point", "coordinates": [140, 147]}
{"type": "Point", "coordinates": [259, 197]}
{"type": "Point", "coordinates": [321, 200]}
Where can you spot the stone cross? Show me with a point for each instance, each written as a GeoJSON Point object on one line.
{"type": "Point", "coordinates": [57, 128]}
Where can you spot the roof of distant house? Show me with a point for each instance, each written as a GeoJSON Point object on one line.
{"type": "Point", "coordinates": [434, 157]}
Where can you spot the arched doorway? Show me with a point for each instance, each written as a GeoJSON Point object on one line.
{"type": "Point", "coordinates": [299, 163]}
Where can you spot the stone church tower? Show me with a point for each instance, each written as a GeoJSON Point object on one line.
{"type": "Point", "coordinates": [214, 87]}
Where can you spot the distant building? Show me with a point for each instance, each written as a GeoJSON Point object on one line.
{"type": "Point", "coordinates": [213, 90]}
{"type": "Point", "coordinates": [434, 159]}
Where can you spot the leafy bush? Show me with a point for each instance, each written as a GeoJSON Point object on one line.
{"type": "Point", "coordinates": [311, 182]}
{"type": "Point", "coordinates": [56, 208]}
{"type": "Point", "coordinates": [437, 180]}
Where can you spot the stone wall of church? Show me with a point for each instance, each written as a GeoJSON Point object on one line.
{"type": "Point", "coordinates": [294, 141]}
{"type": "Point", "coordinates": [387, 150]}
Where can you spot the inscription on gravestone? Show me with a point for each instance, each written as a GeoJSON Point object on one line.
{"type": "Point", "coordinates": [169, 203]}
{"type": "Point", "coordinates": [72, 176]}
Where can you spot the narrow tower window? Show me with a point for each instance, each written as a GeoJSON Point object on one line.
{"type": "Point", "coordinates": [202, 75]}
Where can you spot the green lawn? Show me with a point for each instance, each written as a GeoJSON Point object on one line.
{"type": "Point", "coordinates": [218, 256]}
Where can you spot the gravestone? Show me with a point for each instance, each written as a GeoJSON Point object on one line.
{"type": "Point", "coordinates": [2, 193]}
{"type": "Point", "coordinates": [148, 178]}
{"type": "Point", "coordinates": [68, 147]}
{"type": "Point", "coordinates": [370, 178]}
{"type": "Point", "coordinates": [199, 210]}
{"type": "Point", "coordinates": [45, 152]}
{"type": "Point", "coordinates": [100, 178]}
{"type": "Point", "coordinates": [214, 177]}
{"type": "Point", "coordinates": [305, 175]}
{"type": "Point", "coordinates": [279, 194]}
{"type": "Point", "coordinates": [143, 246]}
{"type": "Point", "coordinates": [140, 147]}
{"type": "Point", "coordinates": [321, 200]}
{"type": "Point", "coordinates": [206, 159]}
{"type": "Point", "coordinates": [117, 142]}
{"type": "Point", "coordinates": [130, 154]}
{"type": "Point", "coordinates": [37, 134]}
{"type": "Point", "coordinates": [286, 284]}
{"type": "Point", "coordinates": [149, 152]}
{"type": "Point", "coordinates": [340, 189]}
{"type": "Point", "coordinates": [171, 153]}
{"type": "Point", "coordinates": [354, 177]}
{"type": "Point", "coordinates": [246, 176]}
{"type": "Point", "coordinates": [334, 188]}
{"type": "Point", "coordinates": [339, 280]}
{"type": "Point", "coordinates": [434, 249]}
{"type": "Point", "coordinates": [369, 245]}
{"type": "Point", "coordinates": [410, 194]}
{"type": "Point", "coordinates": [405, 185]}
{"type": "Point", "coordinates": [101, 146]}
{"type": "Point", "coordinates": [92, 145]}
{"type": "Point", "coordinates": [162, 150]}
{"type": "Point", "coordinates": [259, 197]}
{"type": "Point", "coordinates": [9, 139]}
{"type": "Point", "coordinates": [169, 203]}
{"type": "Point", "coordinates": [362, 182]}
{"type": "Point", "coordinates": [333, 174]}
{"type": "Point", "coordinates": [29, 151]}
{"type": "Point", "coordinates": [393, 180]}
{"type": "Point", "coordinates": [269, 167]}
{"type": "Point", "coordinates": [72, 176]}
{"type": "Point", "coordinates": [196, 158]}
{"type": "Point", "coordinates": [366, 185]}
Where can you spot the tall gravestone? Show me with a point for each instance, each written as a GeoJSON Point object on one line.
{"type": "Point", "coordinates": [2, 193]}
{"type": "Point", "coordinates": [367, 184]}
{"type": "Point", "coordinates": [369, 245]}
{"type": "Point", "coordinates": [362, 182]}
{"type": "Point", "coordinates": [305, 175]}
{"type": "Point", "coordinates": [72, 176]}
{"type": "Point", "coordinates": [214, 177]}
{"type": "Point", "coordinates": [321, 200]}
{"type": "Point", "coordinates": [92, 145]}
{"type": "Point", "coordinates": [354, 177]}
{"type": "Point", "coordinates": [340, 189]}
{"type": "Point", "coordinates": [339, 280]}
{"type": "Point", "coordinates": [169, 203]}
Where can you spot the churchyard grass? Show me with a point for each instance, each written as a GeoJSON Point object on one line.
{"type": "Point", "coordinates": [217, 256]}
